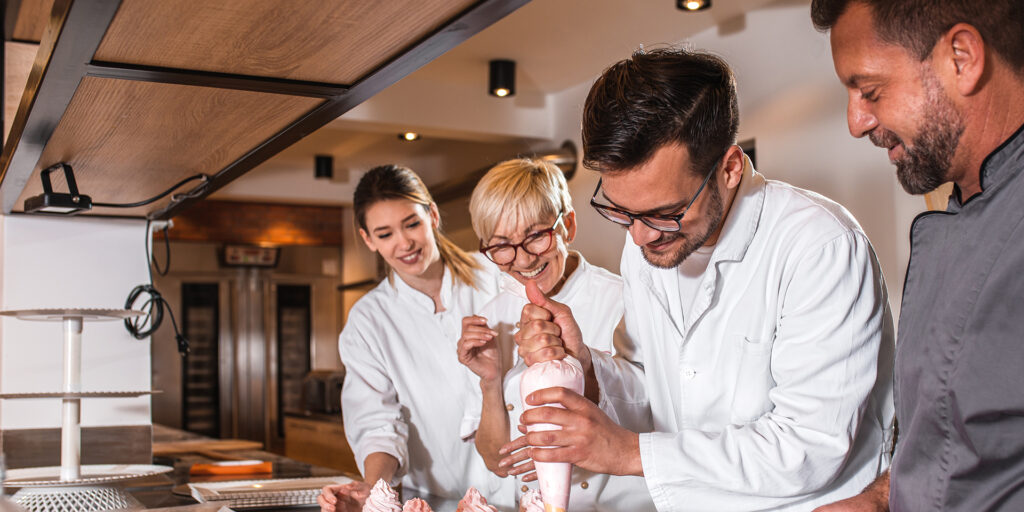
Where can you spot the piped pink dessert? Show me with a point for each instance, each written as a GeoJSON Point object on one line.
{"type": "Point", "coordinates": [382, 498]}
{"type": "Point", "coordinates": [531, 502]}
{"type": "Point", "coordinates": [554, 477]}
{"type": "Point", "coordinates": [416, 505]}
{"type": "Point", "coordinates": [474, 502]}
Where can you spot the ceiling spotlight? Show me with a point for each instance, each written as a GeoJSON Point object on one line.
{"type": "Point", "coordinates": [323, 166]}
{"type": "Point", "coordinates": [693, 5]}
{"type": "Point", "coordinates": [502, 81]}
{"type": "Point", "coordinates": [55, 202]}
{"type": "Point", "coordinates": [409, 136]}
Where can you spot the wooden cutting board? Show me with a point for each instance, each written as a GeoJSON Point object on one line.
{"type": "Point", "coordinates": [204, 446]}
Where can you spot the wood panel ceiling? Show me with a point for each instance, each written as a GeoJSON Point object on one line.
{"type": "Point", "coordinates": [137, 95]}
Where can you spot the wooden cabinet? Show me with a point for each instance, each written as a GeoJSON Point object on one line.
{"type": "Point", "coordinates": [318, 442]}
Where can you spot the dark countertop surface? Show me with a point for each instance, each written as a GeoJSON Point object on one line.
{"type": "Point", "coordinates": [171, 489]}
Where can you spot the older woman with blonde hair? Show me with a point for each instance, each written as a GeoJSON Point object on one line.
{"type": "Point", "coordinates": [522, 213]}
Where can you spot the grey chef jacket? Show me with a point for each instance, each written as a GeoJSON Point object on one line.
{"type": "Point", "coordinates": [959, 379]}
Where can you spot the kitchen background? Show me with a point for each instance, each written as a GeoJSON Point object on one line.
{"type": "Point", "coordinates": [258, 331]}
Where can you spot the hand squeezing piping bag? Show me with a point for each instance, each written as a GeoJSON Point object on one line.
{"type": "Point", "coordinates": [554, 477]}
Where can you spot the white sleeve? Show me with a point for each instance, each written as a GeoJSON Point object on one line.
{"type": "Point", "coordinates": [620, 374]}
{"type": "Point", "coordinates": [370, 408]}
{"type": "Point", "coordinates": [474, 407]}
{"type": "Point", "coordinates": [823, 363]}
{"type": "Point", "coordinates": [623, 388]}
{"type": "Point", "coordinates": [474, 398]}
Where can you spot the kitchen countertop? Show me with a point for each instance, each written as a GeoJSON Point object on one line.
{"type": "Point", "coordinates": [170, 489]}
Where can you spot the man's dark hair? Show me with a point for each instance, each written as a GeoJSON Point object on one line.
{"type": "Point", "coordinates": [660, 97]}
{"type": "Point", "coordinates": [918, 24]}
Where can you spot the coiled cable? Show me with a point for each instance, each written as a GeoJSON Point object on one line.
{"type": "Point", "coordinates": [144, 326]}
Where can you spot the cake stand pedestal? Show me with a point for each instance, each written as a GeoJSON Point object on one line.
{"type": "Point", "coordinates": [60, 487]}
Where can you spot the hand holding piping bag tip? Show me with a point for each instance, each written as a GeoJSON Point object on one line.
{"type": "Point", "coordinates": [549, 331]}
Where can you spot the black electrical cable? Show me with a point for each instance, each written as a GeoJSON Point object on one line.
{"type": "Point", "coordinates": [153, 307]}
{"type": "Point", "coordinates": [205, 178]}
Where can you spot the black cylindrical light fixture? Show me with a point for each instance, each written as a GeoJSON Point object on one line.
{"type": "Point", "coordinates": [503, 78]}
{"type": "Point", "coordinates": [324, 167]}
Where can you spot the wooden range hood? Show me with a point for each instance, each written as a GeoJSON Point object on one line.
{"type": "Point", "coordinates": [137, 95]}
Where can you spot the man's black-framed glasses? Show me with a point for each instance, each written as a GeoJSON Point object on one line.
{"type": "Point", "coordinates": [535, 244]}
{"type": "Point", "coordinates": [670, 223]}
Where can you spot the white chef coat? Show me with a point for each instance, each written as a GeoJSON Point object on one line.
{"type": "Point", "coordinates": [773, 390]}
{"type": "Point", "coordinates": [595, 297]}
{"type": "Point", "coordinates": [404, 392]}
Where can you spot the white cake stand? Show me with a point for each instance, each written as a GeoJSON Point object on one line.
{"type": "Point", "coordinates": [71, 472]}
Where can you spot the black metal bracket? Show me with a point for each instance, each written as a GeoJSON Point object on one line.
{"type": "Point", "coordinates": [212, 79]}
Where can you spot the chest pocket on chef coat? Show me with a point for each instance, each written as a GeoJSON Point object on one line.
{"type": "Point", "coordinates": [753, 377]}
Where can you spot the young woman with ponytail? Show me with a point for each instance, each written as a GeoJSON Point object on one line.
{"type": "Point", "coordinates": [404, 396]}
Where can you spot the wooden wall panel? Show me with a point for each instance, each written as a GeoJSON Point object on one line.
{"type": "Point", "coordinates": [35, 447]}
{"type": "Point", "coordinates": [337, 41]}
{"type": "Point", "coordinates": [128, 141]}
{"type": "Point", "coordinates": [258, 223]}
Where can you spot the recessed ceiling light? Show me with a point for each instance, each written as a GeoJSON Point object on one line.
{"type": "Point", "coordinates": [409, 136]}
{"type": "Point", "coordinates": [693, 5]}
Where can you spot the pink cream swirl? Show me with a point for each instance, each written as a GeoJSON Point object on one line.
{"type": "Point", "coordinates": [531, 502]}
{"type": "Point", "coordinates": [474, 502]}
{"type": "Point", "coordinates": [416, 505]}
{"type": "Point", "coordinates": [382, 498]}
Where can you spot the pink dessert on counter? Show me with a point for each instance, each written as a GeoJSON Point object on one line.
{"type": "Point", "coordinates": [474, 502]}
{"type": "Point", "coordinates": [416, 505]}
{"type": "Point", "coordinates": [382, 498]}
{"type": "Point", "coordinates": [531, 502]}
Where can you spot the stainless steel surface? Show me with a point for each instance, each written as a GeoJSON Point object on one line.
{"type": "Point", "coordinates": [244, 379]}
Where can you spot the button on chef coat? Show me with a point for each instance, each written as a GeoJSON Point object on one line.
{"type": "Point", "coordinates": [396, 398]}
{"type": "Point", "coordinates": [595, 297]}
{"type": "Point", "coordinates": [773, 390]}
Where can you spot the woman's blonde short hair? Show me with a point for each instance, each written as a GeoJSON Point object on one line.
{"type": "Point", "coordinates": [521, 189]}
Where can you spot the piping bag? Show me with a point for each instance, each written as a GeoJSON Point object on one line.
{"type": "Point", "coordinates": [554, 477]}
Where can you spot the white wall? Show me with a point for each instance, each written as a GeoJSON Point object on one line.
{"type": "Point", "coordinates": [792, 104]}
{"type": "Point", "coordinates": [56, 262]}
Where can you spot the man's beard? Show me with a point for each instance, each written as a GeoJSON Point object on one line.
{"type": "Point", "coordinates": [716, 210]}
{"type": "Point", "coordinates": [926, 163]}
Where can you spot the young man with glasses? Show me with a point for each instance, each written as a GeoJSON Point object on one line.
{"type": "Point", "coordinates": [523, 215]}
{"type": "Point", "coordinates": [764, 338]}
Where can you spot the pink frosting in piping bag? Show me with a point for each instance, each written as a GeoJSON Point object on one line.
{"type": "Point", "coordinates": [554, 477]}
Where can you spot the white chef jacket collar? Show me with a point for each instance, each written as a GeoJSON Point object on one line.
{"type": "Point", "coordinates": [741, 222]}
{"type": "Point", "coordinates": [403, 291]}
